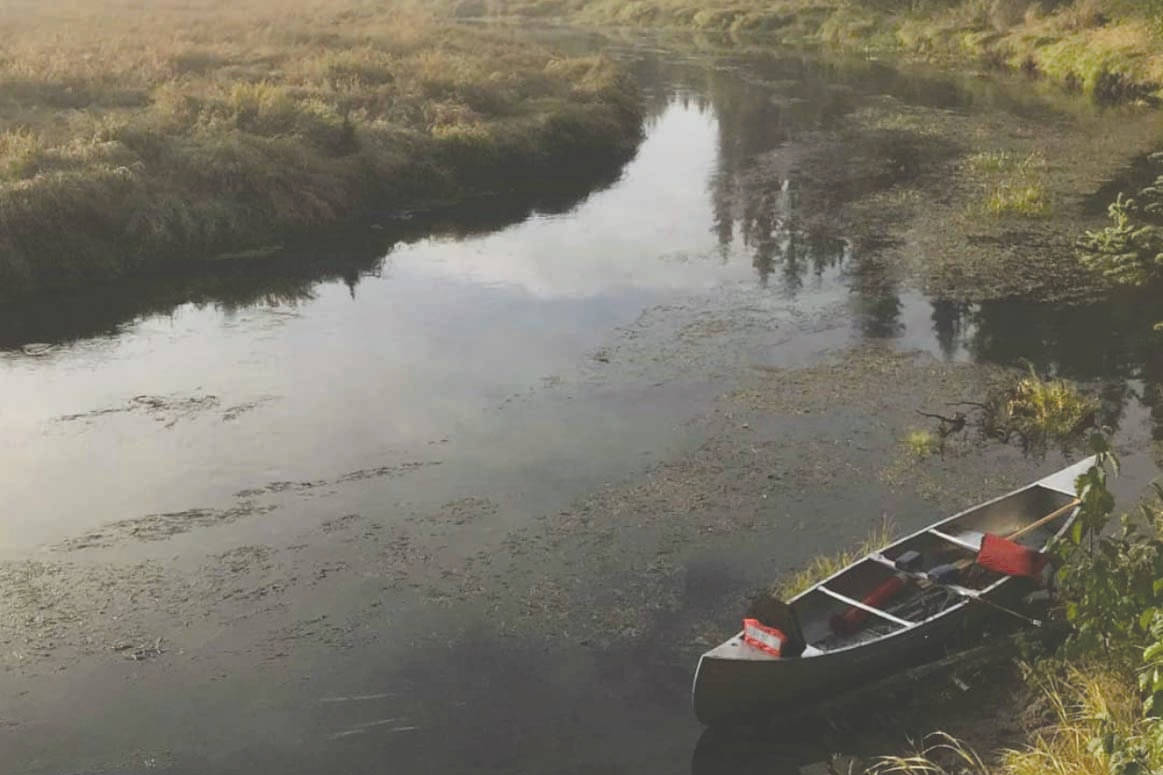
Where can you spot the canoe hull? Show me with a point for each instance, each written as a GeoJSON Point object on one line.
{"type": "Point", "coordinates": [728, 688]}
{"type": "Point", "coordinates": [734, 680]}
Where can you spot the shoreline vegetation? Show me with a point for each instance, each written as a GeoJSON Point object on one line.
{"type": "Point", "coordinates": [1093, 702]}
{"type": "Point", "coordinates": [136, 138]}
{"type": "Point", "coordinates": [1094, 706]}
{"type": "Point", "coordinates": [1109, 49]}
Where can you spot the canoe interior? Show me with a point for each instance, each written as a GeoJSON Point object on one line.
{"type": "Point", "coordinates": [953, 540]}
{"type": "Point", "coordinates": [1015, 511]}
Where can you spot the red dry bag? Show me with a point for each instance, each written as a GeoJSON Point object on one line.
{"type": "Point", "coordinates": [853, 619]}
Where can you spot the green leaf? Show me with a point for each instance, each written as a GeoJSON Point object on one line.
{"type": "Point", "coordinates": [1146, 618]}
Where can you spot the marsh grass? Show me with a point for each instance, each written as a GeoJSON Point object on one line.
{"type": "Point", "coordinates": [1028, 200]}
{"type": "Point", "coordinates": [1084, 720]}
{"type": "Point", "coordinates": [1013, 184]}
{"type": "Point", "coordinates": [131, 135]}
{"type": "Point", "coordinates": [823, 566]}
{"type": "Point", "coordinates": [1110, 49]}
{"type": "Point", "coordinates": [1051, 408]}
{"type": "Point", "coordinates": [921, 443]}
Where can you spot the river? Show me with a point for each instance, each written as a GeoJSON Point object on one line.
{"type": "Point", "coordinates": [457, 492]}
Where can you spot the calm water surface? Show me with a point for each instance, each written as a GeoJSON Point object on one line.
{"type": "Point", "coordinates": [514, 351]}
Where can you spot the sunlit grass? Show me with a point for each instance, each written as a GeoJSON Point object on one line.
{"type": "Point", "coordinates": [822, 566]}
{"type": "Point", "coordinates": [1049, 407]}
{"type": "Point", "coordinates": [995, 162]}
{"type": "Point", "coordinates": [204, 126]}
{"type": "Point", "coordinates": [1109, 49]}
{"type": "Point", "coordinates": [1028, 200]}
{"type": "Point", "coordinates": [1088, 723]}
{"type": "Point", "coordinates": [1013, 182]}
{"type": "Point", "coordinates": [942, 754]}
{"type": "Point", "coordinates": [921, 443]}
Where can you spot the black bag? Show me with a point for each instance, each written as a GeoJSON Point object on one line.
{"type": "Point", "coordinates": [773, 612]}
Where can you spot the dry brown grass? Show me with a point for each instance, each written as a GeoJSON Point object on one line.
{"type": "Point", "coordinates": [133, 131]}
{"type": "Point", "coordinates": [1085, 720]}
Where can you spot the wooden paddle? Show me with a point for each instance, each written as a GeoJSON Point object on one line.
{"type": "Point", "coordinates": [1053, 515]}
{"type": "Point", "coordinates": [1048, 518]}
{"type": "Point", "coordinates": [973, 594]}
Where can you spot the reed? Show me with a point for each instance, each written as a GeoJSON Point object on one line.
{"type": "Point", "coordinates": [132, 136]}
{"type": "Point", "coordinates": [1084, 720]}
{"type": "Point", "coordinates": [1110, 49]}
{"type": "Point", "coordinates": [823, 566]}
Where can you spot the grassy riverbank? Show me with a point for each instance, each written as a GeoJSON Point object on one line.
{"type": "Point", "coordinates": [131, 137]}
{"type": "Point", "coordinates": [1112, 49]}
{"type": "Point", "coordinates": [1096, 706]}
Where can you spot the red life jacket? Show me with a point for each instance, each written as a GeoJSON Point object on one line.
{"type": "Point", "coordinates": [762, 637]}
{"type": "Point", "coordinates": [853, 619]}
{"type": "Point", "coordinates": [1009, 558]}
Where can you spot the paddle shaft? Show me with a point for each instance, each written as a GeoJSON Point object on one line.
{"type": "Point", "coordinates": [1016, 534]}
{"type": "Point", "coordinates": [1048, 518]}
{"type": "Point", "coordinates": [1053, 515]}
{"type": "Point", "coordinates": [999, 607]}
{"type": "Point", "coordinates": [968, 594]}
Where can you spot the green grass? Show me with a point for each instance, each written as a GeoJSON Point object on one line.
{"type": "Point", "coordinates": [1110, 49]}
{"type": "Point", "coordinates": [823, 566]}
{"type": "Point", "coordinates": [131, 136]}
{"type": "Point", "coordinates": [1053, 408]}
{"type": "Point", "coordinates": [921, 443]}
{"type": "Point", "coordinates": [1076, 711]}
{"type": "Point", "coordinates": [1013, 184]}
{"type": "Point", "coordinates": [1024, 199]}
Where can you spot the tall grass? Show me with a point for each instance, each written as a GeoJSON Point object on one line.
{"type": "Point", "coordinates": [1084, 720]}
{"type": "Point", "coordinates": [1108, 48]}
{"type": "Point", "coordinates": [823, 566]}
{"type": "Point", "coordinates": [135, 134]}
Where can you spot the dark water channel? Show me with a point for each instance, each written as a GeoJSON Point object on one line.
{"type": "Point", "coordinates": [290, 470]}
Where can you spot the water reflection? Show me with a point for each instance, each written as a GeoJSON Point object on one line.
{"type": "Point", "coordinates": [722, 115]}
{"type": "Point", "coordinates": [732, 187]}
{"type": "Point", "coordinates": [1110, 342]}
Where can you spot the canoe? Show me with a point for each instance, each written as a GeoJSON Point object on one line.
{"type": "Point", "coordinates": [736, 679]}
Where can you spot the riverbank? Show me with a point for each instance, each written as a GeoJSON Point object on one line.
{"type": "Point", "coordinates": [1110, 49]}
{"type": "Point", "coordinates": [134, 140]}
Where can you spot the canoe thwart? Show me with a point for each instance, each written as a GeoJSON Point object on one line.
{"type": "Point", "coordinates": [865, 607]}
